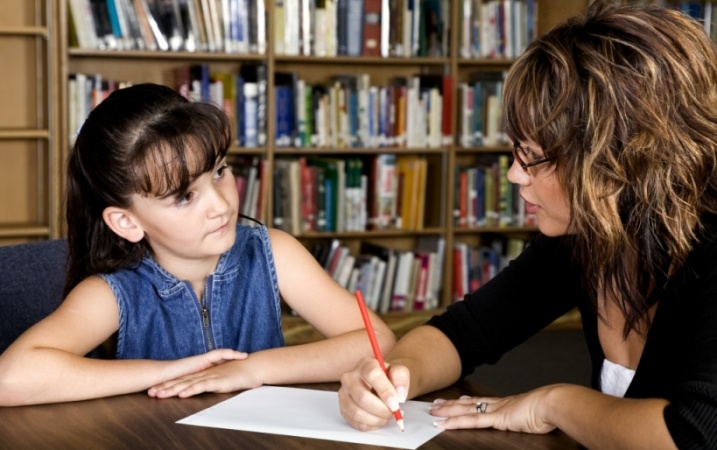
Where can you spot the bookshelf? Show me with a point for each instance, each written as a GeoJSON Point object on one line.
{"type": "Point", "coordinates": [50, 130]}
{"type": "Point", "coordinates": [30, 169]}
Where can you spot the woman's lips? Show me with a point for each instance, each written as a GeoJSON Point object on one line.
{"type": "Point", "coordinates": [531, 208]}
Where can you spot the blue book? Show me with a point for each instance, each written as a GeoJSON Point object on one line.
{"type": "Point", "coordinates": [114, 19]}
{"type": "Point", "coordinates": [354, 32]}
{"type": "Point", "coordinates": [284, 116]}
{"type": "Point", "coordinates": [240, 111]}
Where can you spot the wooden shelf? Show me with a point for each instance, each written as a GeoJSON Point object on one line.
{"type": "Point", "coordinates": [19, 231]}
{"type": "Point", "coordinates": [24, 134]}
{"type": "Point", "coordinates": [29, 170]}
{"type": "Point", "coordinates": [297, 331]}
{"type": "Point", "coordinates": [24, 31]}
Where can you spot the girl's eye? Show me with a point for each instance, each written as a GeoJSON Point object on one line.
{"type": "Point", "coordinates": [221, 171]}
{"type": "Point", "coordinates": [183, 199]}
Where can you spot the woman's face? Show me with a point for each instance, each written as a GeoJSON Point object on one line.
{"type": "Point", "coordinates": [539, 187]}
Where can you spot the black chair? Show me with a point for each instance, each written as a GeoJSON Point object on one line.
{"type": "Point", "coordinates": [31, 281]}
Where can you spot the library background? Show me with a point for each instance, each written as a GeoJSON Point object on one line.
{"type": "Point", "coordinates": [369, 129]}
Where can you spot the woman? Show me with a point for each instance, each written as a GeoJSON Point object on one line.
{"type": "Point", "coordinates": [614, 119]}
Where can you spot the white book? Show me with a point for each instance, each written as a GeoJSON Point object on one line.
{"type": "Point", "coordinates": [260, 26]}
{"type": "Point", "coordinates": [402, 281]}
{"type": "Point", "coordinates": [84, 24]}
{"type": "Point", "coordinates": [251, 185]}
{"type": "Point", "coordinates": [291, 27]}
{"type": "Point", "coordinates": [320, 30]}
{"type": "Point", "coordinates": [377, 281]}
{"type": "Point", "coordinates": [363, 109]}
{"type": "Point", "coordinates": [406, 38]}
{"type": "Point", "coordinates": [251, 107]}
{"type": "Point", "coordinates": [353, 280]}
{"type": "Point", "coordinates": [387, 287]}
{"type": "Point", "coordinates": [341, 196]}
{"type": "Point", "coordinates": [346, 270]}
{"type": "Point", "coordinates": [385, 28]}
{"type": "Point", "coordinates": [331, 38]}
{"type": "Point", "coordinates": [295, 196]}
{"type": "Point", "coordinates": [157, 40]}
{"type": "Point", "coordinates": [300, 111]}
{"type": "Point", "coordinates": [306, 27]}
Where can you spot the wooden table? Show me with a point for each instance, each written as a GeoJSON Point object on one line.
{"type": "Point", "coordinates": [137, 421]}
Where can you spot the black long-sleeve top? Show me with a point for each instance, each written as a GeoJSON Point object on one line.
{"type": "Point", "coordinates": [678, 363]}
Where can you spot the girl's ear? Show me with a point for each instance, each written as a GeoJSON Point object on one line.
{"type": "Point", "coordinates": [123, 223]}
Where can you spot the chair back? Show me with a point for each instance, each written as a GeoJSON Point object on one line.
{"type": "Point", "coordinates": [31, 280]}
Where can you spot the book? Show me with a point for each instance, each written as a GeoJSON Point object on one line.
{"type": "Point", "coordinates": [372, 39]}
{"type": "Point", "coordinates": [354, 27]}
{"type": "Point", "coordinates": [383, 191]}
{"type": "Point", "coordinates": [334, 190]}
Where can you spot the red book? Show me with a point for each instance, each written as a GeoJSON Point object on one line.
{"type": "Point", "coordinates": [372, 28]}
{"type": "Point", "coordinates": [307, 197]}
{"type": "Point", "coordinates": [457, 275]}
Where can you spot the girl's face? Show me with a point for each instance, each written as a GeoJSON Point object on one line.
{"type": "Point", "coordinates": [541, 190]}
{"type": "Point", "coordinates": [195, 225]}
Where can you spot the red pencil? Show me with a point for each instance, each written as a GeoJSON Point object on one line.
{"type": "Point", "coordinates": [376, 350]}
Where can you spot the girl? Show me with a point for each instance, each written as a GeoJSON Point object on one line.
{"type": "Point", "coordinates": [157, 257]}
{"type": "Point", "coordinates": [614, 117]}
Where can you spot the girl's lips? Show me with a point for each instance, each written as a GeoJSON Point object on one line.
{"type": "Point", "coordinates": [220, 229]}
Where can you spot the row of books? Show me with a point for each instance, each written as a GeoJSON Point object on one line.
{"type": "Point", "coordinates": [379, 28]}
{"type": "Point", "coordinates": [348, 112]}
{"type": "Point", "coordinates": [480, 110]}
{"type": "Point", "coordinates": [230, 26]}
{"type": "Point", "coordinates": [84, 92]}
{"type": "Point", "coordinates": [242, 95]}
{"type": "Point", "coordinates": [391, 280]}
{"type": "Point", "coordinates": [412, 112]}
{"type": "Point", "coordinates": [485, 197]}
{"type": "Point", "coordinates": [705, 12]}
{"type": "Point", "coordinates": [313, 194]}
{"type": "Point", "coordinates": [497, 28]}
{"type": "Point", "coordinates": [473, 266]}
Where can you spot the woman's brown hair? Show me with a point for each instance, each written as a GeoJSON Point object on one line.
{"type": "Point", "coordinates": [624, 99]}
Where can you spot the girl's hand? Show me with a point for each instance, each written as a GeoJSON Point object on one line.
{"type": "Point", "coordinates": [522, 412]}
{"type": "Point", "coordinates": [215, 371]}
{"type": "Point", "coordinates": [367, 397]}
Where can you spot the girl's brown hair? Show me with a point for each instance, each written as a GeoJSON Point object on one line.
{"type": "Point", "coordinates": [146, 139]}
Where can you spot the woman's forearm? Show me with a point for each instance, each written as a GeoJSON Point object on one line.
{"type": "Point", "coordinates": [430, 357]}
{"type": "Point", "coordinates": [597, 420]}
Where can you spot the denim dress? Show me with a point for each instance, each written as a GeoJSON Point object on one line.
{"type": "Point", "coordinates": [161, 318]}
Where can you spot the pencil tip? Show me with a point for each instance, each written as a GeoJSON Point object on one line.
{"type": "Point", "coordinates": [400, 425]}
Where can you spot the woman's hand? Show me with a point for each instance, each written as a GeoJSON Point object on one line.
{"type": "Point", "coordinates": [522, 412]}
{"type": "Point", "coordinates": [367, 397]}
{"type": "Point", "coordinates": [220, 370]}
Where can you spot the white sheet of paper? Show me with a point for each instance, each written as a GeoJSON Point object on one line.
{"type": "Point", "coordinates": [312, 414]}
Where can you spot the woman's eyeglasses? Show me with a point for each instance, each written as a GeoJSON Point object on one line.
{"type": "Point", "coordinates": [525, 157]}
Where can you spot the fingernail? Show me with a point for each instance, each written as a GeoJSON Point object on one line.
{"type": "Point", "coordinates": [393, 404]}
{"type": "Point", "coordinates": [438, 401]}
{"type": "Point", "coordinates": [439, 423]}
{"type": "Point", "coordinates": [401, 392]}
{"type": "Point", "coordinates": [465, 396]}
